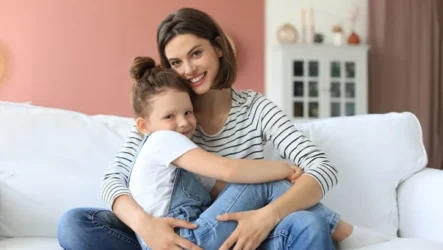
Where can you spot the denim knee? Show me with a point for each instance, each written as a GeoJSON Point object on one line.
{"type": "Point", "coordinates": [302, 230]}
{"type": "Point", "coordinates": [93, 229]}
{"type": "Point", "coordinates": [71, 227]}
{"type": "Point", "coordinates": [312, 226]}
{"type": "Point", "coordinates": [316, 223]}
{"type": "Point", "coordinates": [307, 225]}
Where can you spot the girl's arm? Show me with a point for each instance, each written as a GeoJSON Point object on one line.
{"type": "Point", "coordinates": [158, 233]}
{"type": "Point", "coordinates": [214, 166]}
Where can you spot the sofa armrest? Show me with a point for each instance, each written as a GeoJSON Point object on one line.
{"type": "Point", "coordinates": [420, 201]}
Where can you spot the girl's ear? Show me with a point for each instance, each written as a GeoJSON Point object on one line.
{"type": "Point", "coordinates": [142, 125]}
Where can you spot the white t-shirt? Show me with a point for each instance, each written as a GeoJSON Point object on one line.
{"type": "Point", "coordinates": [152, 177]}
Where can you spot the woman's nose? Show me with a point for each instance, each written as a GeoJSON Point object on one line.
{"type": "Point", "coordinates": [190, 69]}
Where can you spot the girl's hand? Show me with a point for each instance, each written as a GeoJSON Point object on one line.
{"type": "Point", "coordinates": [297, 173]}
{"type": "Point", "coordinates": [252, 229]}
{"type": "Point", "coordinates": [158, 234]}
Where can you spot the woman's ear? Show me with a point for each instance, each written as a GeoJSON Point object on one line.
{"type": "Point", "coordinates": [142, 125]}
{"type": "Point", "coordinates": [218, 49]}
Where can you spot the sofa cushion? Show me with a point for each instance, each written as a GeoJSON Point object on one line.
{"type": "Point", "coordinates": [30, 244]}
{"type": "Point", "coordinates": [405, 244]}
{"type": "Point", "coordinates": [51, 160]}
{"type": "Point", "coordinates": [373, 154]}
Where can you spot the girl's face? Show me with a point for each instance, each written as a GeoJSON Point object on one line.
{"type": "Point", "coordinates": [195, 60]}
{"type": "Point", "coordinates": [170, 110]}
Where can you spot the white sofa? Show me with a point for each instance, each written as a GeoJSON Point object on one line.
{"type": "Point", "coordinates": [52, 160]}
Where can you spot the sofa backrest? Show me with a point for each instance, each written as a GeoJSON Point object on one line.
{"type": "Point", "coordinates": [52, 160]}
{"type": "Point", "coordinates": [373, 154]}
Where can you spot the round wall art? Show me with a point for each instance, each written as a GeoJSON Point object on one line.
{"type": "Point", "coordinates": [2, 64]}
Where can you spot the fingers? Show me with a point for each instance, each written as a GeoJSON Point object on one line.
{"type": "Point", "coordinates": [230, 241]}
{"type": "Point", "coordinates": [229, 217]}
{"type": "Point", "coordinates": [239, 245]}
{"type": "Point", "coordinates": [185, 244]}
{"type": "Point", "coordinates": [250, 245]}
{"type": "Point", "coordinates": [181, 223]}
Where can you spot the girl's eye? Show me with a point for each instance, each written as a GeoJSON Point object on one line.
{"type": "Point", "coordinates": [189, 112]}
{"type": "Point", "coordinates": [169, 117]}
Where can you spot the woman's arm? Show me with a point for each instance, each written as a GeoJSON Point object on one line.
{"type": "Point", "coordinates": [115, 181]}
{"type": "Point", "coordinates": [214, 166]}
{"type": "Point", "coordinates": [293, 145]}
{"type": "Point", "coordinates": [320, 175]}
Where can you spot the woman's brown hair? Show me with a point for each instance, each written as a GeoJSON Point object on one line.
{"type": "Point", "coordinates": [200, 24]}
{"type": "Point", "coordinates": [149, 80]}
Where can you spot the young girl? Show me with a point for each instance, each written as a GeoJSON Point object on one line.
{"type": "Point", "coordinates": [160, 181]}
{"type": "Point", "coordinates": [233, 124]}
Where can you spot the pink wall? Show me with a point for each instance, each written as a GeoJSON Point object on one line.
{"type": "Point", "coordinates": [75, 55]}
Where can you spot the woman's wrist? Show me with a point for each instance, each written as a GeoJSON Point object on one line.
{"type": "Point", "coordinates": [128, 211]}
{"type": "Point", "coordinates": [273, 213]}
{"type": "Point", "coordinates": [142, 221]}
{"type": "Point", "coordinates": [287, 167]}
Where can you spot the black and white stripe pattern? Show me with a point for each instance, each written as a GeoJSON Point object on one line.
{"type": "Point", "coordinates": [253, 121]}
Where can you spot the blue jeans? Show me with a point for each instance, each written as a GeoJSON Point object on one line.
{"type": "Point", "coordinates": [310, 229]}
{"type": "Point", "coordinates": [190, 202]}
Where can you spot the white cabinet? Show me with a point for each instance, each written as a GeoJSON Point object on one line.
{"type": "Point", "coordinates": [318, 81]}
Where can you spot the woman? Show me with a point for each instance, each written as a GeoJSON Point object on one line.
{"type": "Point", "coordinates": [191, 43]}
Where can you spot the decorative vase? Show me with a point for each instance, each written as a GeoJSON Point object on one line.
{"type": "Point", "coordinates": [287, 34]}
{"type": "Point", "coordinates": [318, 38]}
{"type": "Point", "coordinates": [337, 35]}
{"type": "Point", "coordinates": [353, 38]}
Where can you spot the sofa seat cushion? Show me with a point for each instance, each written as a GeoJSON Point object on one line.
{"type": "Point", "coordinates": [406, 244]}
{"type": "Point", "coordinates": [30, 244]}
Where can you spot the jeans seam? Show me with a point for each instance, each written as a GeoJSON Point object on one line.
{"type": "Point", "coordinates": [212, 226]}
{"type": "Point", "coordinates": [284, 234]}
{"type": "Point", "coordinates": [111, 231]}
{"type": "Point", "coordinates": [332, 218]}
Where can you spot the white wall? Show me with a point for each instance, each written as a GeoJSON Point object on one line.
{"type": "Point", "coordinates": [327, 14]}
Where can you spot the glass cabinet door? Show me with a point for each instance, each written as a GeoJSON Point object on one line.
{"type": "Point", "coordinates": [305, 88]}
{"type": "Point", "coordinates": [342, 80]}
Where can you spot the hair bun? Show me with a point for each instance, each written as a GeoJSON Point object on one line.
{"type": "Point", "coordinates": [140, 66]}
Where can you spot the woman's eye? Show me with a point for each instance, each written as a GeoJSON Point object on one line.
{"type": "Point", "coordinates": [175, 64]}
{"type": "Point", "coordinates": [189, 112]}
{"type": "Point", "coordinates": [197, 53]}
{"type": "Point", "coordinates": [169, 117]}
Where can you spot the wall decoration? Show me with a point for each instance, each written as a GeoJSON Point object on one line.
{"type": "Point", "coordinates": [2, 64]}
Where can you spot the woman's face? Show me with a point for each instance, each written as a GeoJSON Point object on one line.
{"type": "Point", "coordinates": [195, 60]}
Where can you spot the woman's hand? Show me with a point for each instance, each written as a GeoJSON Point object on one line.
{"type": "Point", "coordinates": [252, 229]}
{"type": "Point", "coordinates": [159, 234]}
{"type": "Point", "coordinates": [294, 176]}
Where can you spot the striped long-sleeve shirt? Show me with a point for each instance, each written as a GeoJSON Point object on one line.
{"type": "Point", "coordinates": [253, 121]}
